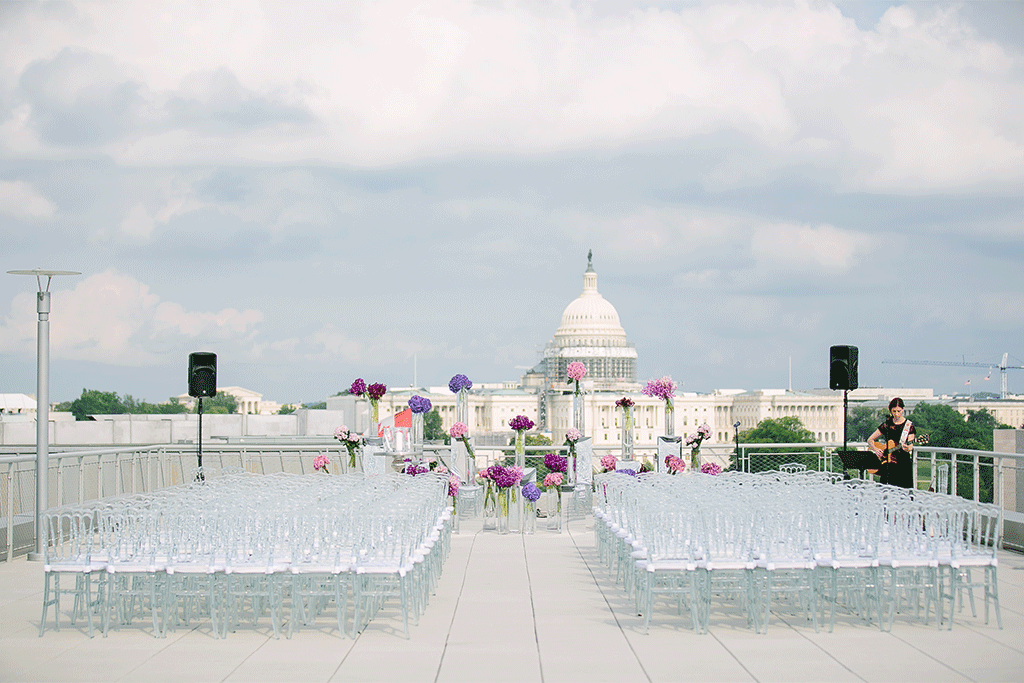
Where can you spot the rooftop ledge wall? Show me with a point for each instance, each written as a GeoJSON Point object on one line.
{"type": "Point", "coordinates": [132, 430]}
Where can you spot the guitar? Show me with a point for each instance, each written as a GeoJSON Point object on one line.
{"type": "Point", "coordinates": [889, 450]}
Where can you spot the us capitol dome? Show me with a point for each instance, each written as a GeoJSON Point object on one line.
{"type": "Point", "coordinates": [590, 332]}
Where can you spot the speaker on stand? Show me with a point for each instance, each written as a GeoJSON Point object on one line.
{"type": "Point", "coordinates": [202, 382]}
{"type": "Point", "coordinates": [842, 374]}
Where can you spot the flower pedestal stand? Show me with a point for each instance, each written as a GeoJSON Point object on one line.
{"type": "Point", "coordinates": [670, 417]}
{"type": "Point", "coordinates": [578, 416]}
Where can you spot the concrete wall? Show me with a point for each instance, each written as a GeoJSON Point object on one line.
{"type": "Point", "coordinates": [1012, 441]}
{"type": "Point", "coordinates": [155, 429]}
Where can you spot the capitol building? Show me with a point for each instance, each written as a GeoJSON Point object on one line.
{"type": "Point", "coordinates": [591, 332]}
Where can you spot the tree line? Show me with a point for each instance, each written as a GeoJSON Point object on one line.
{"type": "Point", "coordinates": [94, 402]}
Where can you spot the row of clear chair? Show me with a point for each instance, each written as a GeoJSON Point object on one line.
{"type": "Point", "coordinates": [820, 544]}
{"type": "Point", "coordinates": [250, 545]}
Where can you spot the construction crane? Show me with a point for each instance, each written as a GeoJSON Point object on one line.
{"type": "Point", "coordinates": [1003, 367]}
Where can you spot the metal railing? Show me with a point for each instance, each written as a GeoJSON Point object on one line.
{"type": "Point", "coordinates": [77, 476]}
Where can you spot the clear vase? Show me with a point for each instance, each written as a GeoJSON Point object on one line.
{"type": "Point", "coordinates": [627, 432]}
{"type": "Point", "coordinates": [554, 508]}
{"type": "Point", "coordinates": [462, 415]}
{"type": "Point", "coordinates": [374, 430]}
{"type": "Point", "coordinates": [529, 517]}
{"type": "Point", "coordinates": [490, 506]}
{"type": "Point", "coordinates": [695, 459]}
{"type": "Point", "coordinates": [417, 433]}
{"type": "Point", "coordinates": [453, 501]}
{"type": "Point", "coordinates": [578, 420]}
{"type": "Point", "coordinates": [504, 507]}
{"type": "Point", "coordinates": [670, 417]}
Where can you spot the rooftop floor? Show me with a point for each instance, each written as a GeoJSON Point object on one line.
{"type": "Point", "coordinates": [515, 608]}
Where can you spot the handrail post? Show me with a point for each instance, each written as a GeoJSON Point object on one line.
{"type": "Point", "coordinates": [977, 478]}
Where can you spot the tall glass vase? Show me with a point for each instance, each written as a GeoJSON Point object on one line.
{"type": "Point", "coordinates": [516, 513]}
{"type": "Point", "coordinates": [695, 459]}
{"type": "Point", "coordinates": [504, 508]}
{"type": "Point", "coordinates": [417, 432]}
{"type": "Point", "coordinates": [462, 415]}
{"type": "Point", "coordinates": [670, 417]}
{"type": "Point", "coordinates": [529, 517]}
{"type": "Point", "coordinates": [627, 432]}
{"type": "Point", "coordinates": [578, 420]}
{"type": "Point", "coordinates": [490, 506]}
{"type": "Point", "coordinates": [454, 502]}
{"type": "Point", "coordinates": [554, 508]}
{"type": "Point", "coordinates": [374, 430]}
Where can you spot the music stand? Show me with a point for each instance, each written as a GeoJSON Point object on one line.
{"type": "Point", "coordinates": [859, 460]}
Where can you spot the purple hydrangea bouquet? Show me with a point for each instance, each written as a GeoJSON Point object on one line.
{"type": "Point", "coordinates": [459, 383]}
{"type": "Point", "coordinates": [373, 393]}
{"type": "Point", "coordinates": [419, 405]}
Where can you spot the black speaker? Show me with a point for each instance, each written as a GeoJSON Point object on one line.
{"type": "Point", "coordinates": [842, 367]}
{"type": "Point", "coordinates": [202, 374]}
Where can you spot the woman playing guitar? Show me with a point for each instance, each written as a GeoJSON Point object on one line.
{"type": "Point", "coordinates": [897, 434]}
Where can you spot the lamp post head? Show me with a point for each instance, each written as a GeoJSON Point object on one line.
{"type": "Point", "coordinates": [40, 272]}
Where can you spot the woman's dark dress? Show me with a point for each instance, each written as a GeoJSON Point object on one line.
{"type": "Point", "coordinates": [900, 473]}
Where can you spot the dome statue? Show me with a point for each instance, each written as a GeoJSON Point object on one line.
{"type": "Point", "coordinates": [590, 332]}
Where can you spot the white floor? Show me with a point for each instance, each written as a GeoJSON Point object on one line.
{"type": "Point", "coordinates": [514, 608]}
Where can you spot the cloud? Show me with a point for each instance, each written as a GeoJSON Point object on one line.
{"type": "Point", "coordinates": [920, 101]}
{"type": "Point", "coordinates": [114, 319]}
{"type": "Point", "coordinates": [819, 250]}
{"type": "Point", "coordinates": [20, 200]}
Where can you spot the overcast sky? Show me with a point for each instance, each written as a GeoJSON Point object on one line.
{"type": "Point", "coordinates": [317, 191]}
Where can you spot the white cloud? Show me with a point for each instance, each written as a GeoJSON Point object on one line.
{"type": "Point", "coordinates": [114, 319]}
{"type": "Point", "coordinates": [920, 103]}
{"type": "Point", "coordinates": [20, 200]}
{"type": "Point", "coordinates": [822, 249]}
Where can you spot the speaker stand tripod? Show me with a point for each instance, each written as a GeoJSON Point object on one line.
{"type": "Point", "coordinates": [199, 453]}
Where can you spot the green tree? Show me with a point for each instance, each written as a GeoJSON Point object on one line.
{"type": "Point", "coordinates": [93, 402]}
{"type": "Point", "coordinates": [863, 421]}
{"type": "Point", "coordinates": [787, 429]}
{"type": "Point", "coordinates": [947, 428]}
{"type": "Point", "coordinates": [433, 430]}
{"type": "Point", "coordinates": [221, 404]}
{"type": "Point", "coordinates": [286, 409]}
{"type": "Point", "coordinates": [322, 405]}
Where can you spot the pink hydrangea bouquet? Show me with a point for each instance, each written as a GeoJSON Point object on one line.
{"type": "Point", "coordinates": [694, 441]}
{"type": "Point", "coordinates": [711, 468]}
{"type": "Point", "coordinates": [321, 463]}
{"type": "Point", "coordinates": [608, 463]}
{"type": "Point", "coordinates": [553, 479]}
{"type": "Point", "coordinates": [352, 441]}
{"type": "Point", "coordinates": [675, 464]}
{"type": "Point", "coordinates": [572, 435]}
{"type": "Point", "coordinates": [461, 432]}
{"type": "Point", "coordinates": [576, 371]}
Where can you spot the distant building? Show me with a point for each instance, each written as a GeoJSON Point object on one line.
{"type": "Point", "coordinates": [249, 402]}
{"type": "Point", "coordinates": [17, 404]}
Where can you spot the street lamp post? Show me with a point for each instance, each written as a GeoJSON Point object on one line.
{"type": "Point", "coordinates": [736, 428]}
{"type": "Point", "coordinates": [42, 398]}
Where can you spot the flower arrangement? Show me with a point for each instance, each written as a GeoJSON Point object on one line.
{"type": "Point", "coordinates": [373, 393]}
{"type": "Point", "coordinates": [419, 404]}
{"type": "Point", "coordinates": [506, 479]}
{"type": "Point", "coordinates": [352, 441]}
{"type": "Point", "coordinates": [608, 463]}
{"type": "Point", "coordinates": [572, 435]}
{"type": "Point", "coordinates": [626, 403]}
{"type": "Point", "coordinates": [521, 423]}
{"type": "Point", "coordinates": [675, 464]}
{"type": "Point", "coordinates": [321, 463]}
{"type": "Point", "coordinates": [453, 486]}
{"type": "Point", "coordinates": [711, 468]}
{"type": "Point", "coordinates": [663, 388]}
{"type": "Point", "coordinates": [412, 469]}
{"type": "Point", "coordinates": [531, 492]}
{"type": "Point", "coordinates": [553, 479]}
{"type": "Point", "coordinates": [556, 463]}
{"type": "Point", "coordinates": [461, 432]}
{"type": "Point", "coordinates": [694, 441]}
{"type": "Point", "coordinates": [459, 383]}
{"type": "Point", "coordinates": [576, 371]}
{"type": "Point", "coordinates": [627, 471]}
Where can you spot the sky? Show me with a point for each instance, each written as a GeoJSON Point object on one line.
{"type": "Point", "coordinates": [403, 191]}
